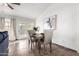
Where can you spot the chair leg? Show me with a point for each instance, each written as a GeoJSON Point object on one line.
{"type": "Point", "coordinates": [44, 49]}
{"type": "Point", "coordinates": [39, 47]}
{"type": "Point", "coordinates": [50, 46]}
{"type": "Point", "coordinates": [31, 45]}
{"type": "Point", "coordinates": [28, 43]}
{"type": "Point", "coordinates": [36, 44]}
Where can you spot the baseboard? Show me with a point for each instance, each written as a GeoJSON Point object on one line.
{"type": "Point", "coordinates": [66, 48]}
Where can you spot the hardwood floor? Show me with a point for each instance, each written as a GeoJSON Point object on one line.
{"type": "Point", "coordinates": [21, 48]}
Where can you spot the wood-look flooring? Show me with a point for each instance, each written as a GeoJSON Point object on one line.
{"type": "Point", "coordinates": [21, 48]}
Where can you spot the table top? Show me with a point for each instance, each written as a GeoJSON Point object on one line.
{"type": "Point", "coordinates": [38, 36]}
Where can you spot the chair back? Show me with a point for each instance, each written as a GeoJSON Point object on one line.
{"type": "Point", "coordinates": [48, 33]}
{"type": "Point", "coordinates": [42, 39]}
{"type": "Point", "coordinates": [31, 32]}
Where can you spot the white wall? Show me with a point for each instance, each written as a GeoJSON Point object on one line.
{"type": "Point", "coordinates": [77, 29]}
{"type": "Point", "coordinates": [65, 34]}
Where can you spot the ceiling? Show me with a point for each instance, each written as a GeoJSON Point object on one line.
{"type": "Point", "coordinates": [29, 10]}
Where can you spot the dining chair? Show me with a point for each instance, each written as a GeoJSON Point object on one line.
{"type": "Point", "coordinates": [40, 41]}
{"type": "Point", "coordinates": [32, 37]}
{"type": "Point", "coordinates": [46, 40]}
{"type": "Point", "coordinates": [48, 33]}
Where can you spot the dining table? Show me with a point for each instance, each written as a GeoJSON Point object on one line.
{"type": "Point", "coordinates": [38, 37]}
